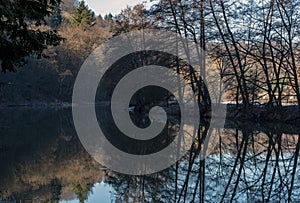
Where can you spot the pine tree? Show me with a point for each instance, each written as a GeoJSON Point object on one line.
{"type": "Point", "coordinates": [108, 17]}
{"type": "Point", "coordinates": [83, 15]}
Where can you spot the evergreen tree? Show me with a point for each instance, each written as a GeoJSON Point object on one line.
{"type": "Point", "coordinates": [83, 15]}
{"type": "Point", "coordinates": [100, 17]}
{"type": "Point", "coordinates": [20, 33]}
{"type": "Point", "coordinates": [108, 17]}
{"type": "Point", "coordinates": [55, 18]}
{"type": "Point", "coordinates": [101, 21]}
{"type": "Point", "coordinates": [82, 191]}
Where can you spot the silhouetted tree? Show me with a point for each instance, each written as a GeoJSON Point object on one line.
{"type": "Point", "coordinates": [21, 33]}
{"type": "Point", "coordinates": [108, 17]}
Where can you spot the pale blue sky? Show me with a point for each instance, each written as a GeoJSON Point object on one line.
{"type": "Point", "coordinates": [114, 6]}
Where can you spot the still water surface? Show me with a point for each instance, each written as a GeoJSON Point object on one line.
{"type": "Point", "coordinates": [42, 160]}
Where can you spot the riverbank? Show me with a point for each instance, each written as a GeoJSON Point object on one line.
{"type": "Point", "coordinates": [289, 114]}
{"type": "Point", "coordinates": [37, 105]}
{"type": "Point", "coordinates": [262, 113]}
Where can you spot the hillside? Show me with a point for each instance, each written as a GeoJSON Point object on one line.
{"type": "Point", "coordinates": [51, 79]}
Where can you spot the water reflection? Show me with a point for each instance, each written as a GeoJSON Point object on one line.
{"type": "Point", "coordinates": [42, 160]}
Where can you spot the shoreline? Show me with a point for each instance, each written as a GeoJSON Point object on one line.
{"type": "Point", "coordinates": [261, 113]}
{"type": "Point", "coordinates": [288, 114]}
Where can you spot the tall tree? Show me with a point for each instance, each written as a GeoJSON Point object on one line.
{"type": "Point", "coordinates": [83, 15]}
{"type": "Point", "coordinates": [21, 32]}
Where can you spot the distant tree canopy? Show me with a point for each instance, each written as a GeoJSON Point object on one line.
{"type": "Point", "coordinates": [108, 17]}
{"type": "Point", "coordinates": [132, 18]}
{"type": "Point", "coordinates": [83, 15]}
{"type": "Point", "coordinates": [22, 32]}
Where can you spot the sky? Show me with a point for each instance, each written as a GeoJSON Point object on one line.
{"type": "Point", "coordinates": [113, 6]}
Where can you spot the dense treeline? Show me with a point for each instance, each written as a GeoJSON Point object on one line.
{"type": "Point", "coordinates": [253, 45]}
{"type": "Point", "coordinates": [50, 78]}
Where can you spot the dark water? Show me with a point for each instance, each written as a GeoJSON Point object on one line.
{"type": "Point", "coordinates": [42, 160]}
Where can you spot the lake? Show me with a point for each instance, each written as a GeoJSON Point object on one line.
{"type": "Point", "coordinates": [42, 160]}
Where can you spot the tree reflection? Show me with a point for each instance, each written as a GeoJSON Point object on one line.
{"type": "Point", "coordinates": [82, 191]}
{"type": "Point", "coordinates": [248, 165]}
{"type": "Point", "coordinates": [42, 158]}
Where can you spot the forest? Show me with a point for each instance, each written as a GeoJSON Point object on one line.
{"type": "Point", "coordinates": [254, 46]}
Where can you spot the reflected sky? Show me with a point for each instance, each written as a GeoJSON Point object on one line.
{"type": "Point", "coordinates": [42, 158]}
{"type": "Point", "coordinates": [101, 193]}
